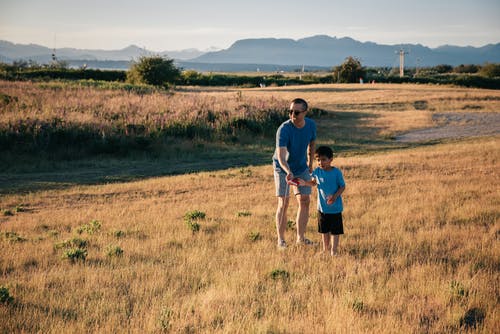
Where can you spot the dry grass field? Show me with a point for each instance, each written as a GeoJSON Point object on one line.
{"type": "Point", "coordinates": [196, 253]}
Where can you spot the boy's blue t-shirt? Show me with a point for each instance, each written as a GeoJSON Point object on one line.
{"type": "Point", "coordinates": [328, 183]}
{"type": "Point", "coordinates": [296, 141]}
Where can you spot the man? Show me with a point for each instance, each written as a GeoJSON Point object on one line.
{"type": "Point", "coordinates": [293, 158]}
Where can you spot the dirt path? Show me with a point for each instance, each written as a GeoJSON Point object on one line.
{"type": "Point", "coordinates": [456, 125]}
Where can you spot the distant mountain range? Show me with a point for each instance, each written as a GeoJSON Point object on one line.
{"type": "Point", "coordinates": [249, 54]}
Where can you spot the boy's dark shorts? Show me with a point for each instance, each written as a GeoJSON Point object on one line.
{"type": "Point", "coordinates": [330, 223]}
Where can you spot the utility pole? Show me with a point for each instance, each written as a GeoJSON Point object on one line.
{"type": "Point", "coordinates": [402, 54]}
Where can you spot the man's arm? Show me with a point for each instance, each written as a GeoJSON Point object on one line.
{"type": "Point", "coordinates": [282, 153]}
{"type": "Point", "coordinates": [310, 155]}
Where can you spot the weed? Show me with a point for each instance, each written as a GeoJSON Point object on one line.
{"type": "Point", "coordinates": [357, 305]}
{"type": "Point", "coordinates": [194, 215]}
{"type": "Point", "coordinates": [90, 228]}
{"type": "Point", "coordinates": [190, 218]}
{"type": "Point", "coordinates": [193, 226]}
{"type": "Point", "coordinates": [243, 213]}
{"type": "Point", "coordinates": [247, 172]}
{"type": "Point", "coordinates": [458, 290]}
{"type": "Point", "coordinates": [114, 251]}
{"type": "Point", "coordinates": [13, 237]}
{"type": "Point", "coordinates": [5, 296]}
{"type": "Point", "coordinates": [165, 319]}
{"type": "Point", "coordinates": [278, 274]}
{"type": "Point", "coordinates": [118, 234]}
{"type": "Point", "coordinates": [19, 208]}
{"type": "Point", "coordinates": [7, 212]}
{"type": "Point", "coordinates": [75, 254]}
{"type": "Point", "coordinates": [254, 236]}
{"type": "Point", "coordinates": [290, 224]}
{"type": "Point", "coordinates": [72, 243]}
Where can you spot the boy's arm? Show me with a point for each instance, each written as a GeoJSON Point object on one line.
{"type": "Point", "coordinates": [307, 183]}
{"type": "Point", "coordinates": [332, 198]}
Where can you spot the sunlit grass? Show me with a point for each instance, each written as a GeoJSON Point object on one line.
{"type": "Point", "coordinates": [420, 253]}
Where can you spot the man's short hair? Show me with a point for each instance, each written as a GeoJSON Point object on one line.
{"type": "Point", "coordinates": [324, 151]}
{"type": "Point", "coordinates": [300, 101]}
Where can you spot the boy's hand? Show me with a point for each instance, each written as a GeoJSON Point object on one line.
{"type": "Point", "coordinates": [330, 199]}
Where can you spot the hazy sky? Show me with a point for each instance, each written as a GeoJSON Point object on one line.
{"type": "Point", "coordinates": [161, 25]}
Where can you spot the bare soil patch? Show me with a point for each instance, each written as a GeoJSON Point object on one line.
{"type": "Point", "coordinates": [456, 125]}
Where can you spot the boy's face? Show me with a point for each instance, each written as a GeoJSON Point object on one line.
{"type": "Point", "coordinates": [324, 162]}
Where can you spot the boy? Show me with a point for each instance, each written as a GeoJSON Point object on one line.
{"type": "Point", "coordinates": [331, 185]}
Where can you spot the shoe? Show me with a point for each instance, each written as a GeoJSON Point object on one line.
{"type": "Point", "coordinates": [281, 244]}
{"type": "Point", "coordinates": [304, 241]}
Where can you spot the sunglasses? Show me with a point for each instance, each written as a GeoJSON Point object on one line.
{"type": "Point", "coordinates": [296, 112]}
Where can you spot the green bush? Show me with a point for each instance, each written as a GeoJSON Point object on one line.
{"type": "Point", "coordinates": [75, 254]}
{"type": "Point", "coordinates": [153, 70]}
{"type": "Point", "coordinates": [114, 251]}
{"type": "Point", "coordinates": [5, 296]}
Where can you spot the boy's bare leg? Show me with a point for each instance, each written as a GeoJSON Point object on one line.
{"type": "Point", "coordinates": [326, 242]}
{"type": "Point", "coordinates": [281, 218]}
{"type": "Point", "coordinates": [335, 244]}
{"type": "Point", "coordinates": [302, 215]}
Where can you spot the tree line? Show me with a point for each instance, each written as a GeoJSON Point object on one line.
{"type": "Point", "coordinates": [161, 72]}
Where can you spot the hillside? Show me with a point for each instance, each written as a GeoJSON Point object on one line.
{"type": "Point", "coordinates": [249, 54]}
{"type": "Point", "coordinates": [329, 51]}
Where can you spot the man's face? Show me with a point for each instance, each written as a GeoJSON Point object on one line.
{"type": "Point", "coordinates": [297, 112]}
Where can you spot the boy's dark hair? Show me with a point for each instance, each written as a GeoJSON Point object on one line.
{"type": "Point", "coordinates": [324, 151]}
{"type": "Point", "coordinates": [300, 101]}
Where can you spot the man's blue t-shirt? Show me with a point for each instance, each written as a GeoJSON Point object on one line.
{"type": "Point", "coordinates": [328, 183]}
{"type": "Point", "coordinates": [296, 142]}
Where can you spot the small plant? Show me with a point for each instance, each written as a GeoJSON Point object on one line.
{"type": "Point", "coordinates": [165, 319]}
{"type": "Point", "coordinates": [277, 274]}
{"type": "Point", "coordinates": [13, 237]}
{"type": "Point", "coordinates": [75, 254]}
{"type": "Point", "coordinates": [247, 172]}
{"type": "Point", "coordinates": [458, 290]}
{"type": "Point", "coordinates": [191, 217]}
{"type": "Point", "coordinates": [7, 212]}
{"type": "Point", "coordinates": [19, 208]}
{"type": "Point", "coordinates": [114, 251]}
{"type": "Point", "coordinates": [290, 224]}
{"type": "Point", "coordinates": [118, 234]}
{"type": "Point", "coordinates": [72, 243]}
{"type": "Point", "coordinates": [91, 228]}
{"type": "Point", "coordinates": [254, 236]}
{"type": "Point", "coordinates": [357, 305]}
{"type": "Point", "coordinates": [193, 226]}
{"type": "Point", "coordinates": [244, 213]}
{"type": "Point", "coordinates": [194, 215]}
{"type": "Point", "coordinates": [5, 296]}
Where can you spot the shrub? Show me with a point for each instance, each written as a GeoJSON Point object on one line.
{"type": "Point", "coordinates": [350, 71]}
{"type": "Point", "coordinates": [490, 70]}
{"type": "Point", "coordinates": [153, 70]}
{"type": "Point", "coordinates": [254, 236]}
{"type": "Point", "coordinates": [75, 254]}
{"type": "Point", "coordinates": [72, 243]}
{"type": "Point", "coordinates": [5, 296]}
{"type": "Point", "coordinates": [114, 251]}
{"type": "Point", "coordinates": [91, 228]}
{"type": "Point", "coordinates": [13, 237]}
{"type": "Point", "coordinates": [244, 213]}
{"type": "Point", "coordinates": [277, 274]}
{"type": "Point", "coordinates": [194, 215]}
